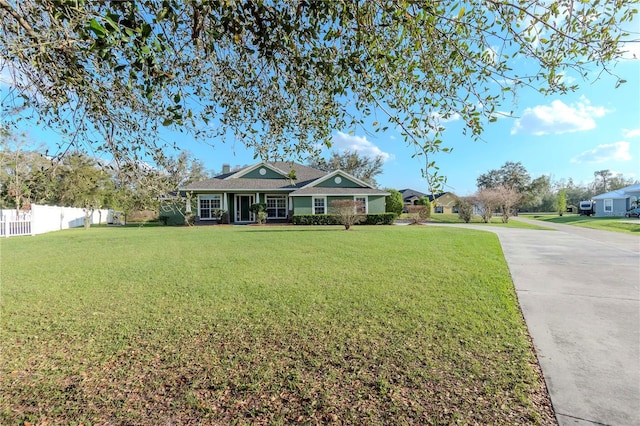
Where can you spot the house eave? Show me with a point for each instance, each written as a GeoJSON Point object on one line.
{"type": "Point", "coordinates": [239, 190]}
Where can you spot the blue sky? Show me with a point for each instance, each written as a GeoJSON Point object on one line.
{"type": "Point", "coordinates": [568, 136]}
{"type": "Point", "coordinates": [564, 136]}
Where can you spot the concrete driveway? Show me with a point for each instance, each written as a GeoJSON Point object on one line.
{"type": "Point", "coordinates": [579, 290]}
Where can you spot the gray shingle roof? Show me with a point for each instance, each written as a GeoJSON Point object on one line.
{"type": "Point", "coordinates": [337, 191]}
{"type": "Point", "coordinates": [304, 176]}
{"type": "Point", "coordinates": [408, 193]}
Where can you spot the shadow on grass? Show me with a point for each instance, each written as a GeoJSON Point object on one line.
{"type": "Point", "coordinates": [303, 228]}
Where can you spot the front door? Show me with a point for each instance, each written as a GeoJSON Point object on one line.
{"type": "Point", "coordinates": [242, 208]}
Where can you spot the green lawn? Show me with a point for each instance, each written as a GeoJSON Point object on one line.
{"type": "Point", "coordinates": [617, 224]}
{"type": "Point", "coordinates": [264, 325]}
{"type": "Point", "coordinates": [495, 221]}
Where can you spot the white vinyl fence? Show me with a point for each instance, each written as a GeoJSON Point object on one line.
{"type": "Point", "coordinates": [42, 219]}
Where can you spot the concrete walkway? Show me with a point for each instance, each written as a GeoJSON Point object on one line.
{"type": "Point", "coordinates": [579, 290]}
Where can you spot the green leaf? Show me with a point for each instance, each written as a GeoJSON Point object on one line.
{"type": "Point", "coordinates": [97, 28]}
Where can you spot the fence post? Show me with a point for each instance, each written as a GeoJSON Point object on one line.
{"type": "Point", "coordinates": [32, 225]}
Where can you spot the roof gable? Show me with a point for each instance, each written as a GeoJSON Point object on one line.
{"type": "Point", "coordinates": [625, 192]}
{"type": "Point", "coordinates": [410, 193]}
{"type": "Point", "coordinates": [262, 170]}
{"type": "Point", "coordinates": [338, 179]}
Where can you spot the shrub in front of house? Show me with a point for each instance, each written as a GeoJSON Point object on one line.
{"type": "Point", "coordinates": [327, 219]}
{"type": "Point", "coordinates": [315, 219]}
{"type": "Point", "coordinates": [380, 219]}
{"type": "Point", "coordinates": [418, 213]}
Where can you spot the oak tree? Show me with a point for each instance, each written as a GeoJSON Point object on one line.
{"type": "Point", "coordinates": [363, 167]}
{"type": "Point", "coordinates": [279, 76]}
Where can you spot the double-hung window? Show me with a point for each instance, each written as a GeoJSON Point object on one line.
{"type": "Point", "coordinates": [209, 204]}
{"type": "Point", "coordinates": [608, 205]}
{"type": "Point", "coordinates": [361, 205]}
{"type": "Point", "coordinates": [319, 205]}
{"type": "Point", "coordinates": [276, 206]}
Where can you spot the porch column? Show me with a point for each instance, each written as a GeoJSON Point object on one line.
{"type": "Point", "coordinates": [225, 196]}
{"type": "Point", "coordinates": [257, 197]}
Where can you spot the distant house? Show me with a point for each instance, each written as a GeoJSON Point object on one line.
{"type": "Point", "coordinates": [410, 197]}
{"type": "Point", "coordinates": [285, 188]}
{"type": "Point", "coordinates": [616, 203]}
{"type": "Point", "coordinates": [445, 202]}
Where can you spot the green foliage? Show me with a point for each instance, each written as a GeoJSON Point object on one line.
{"type": "Point", "coordinates": [80, 182]}
{"type": "Point", "coordinates": [539, 195]}
{"type": "Point", "coordinates": [606, 181]}
{"type": "Point", "coordinates": [560, 203]}
{"type": "Point", "coordinates": [510, 175]}
{"type": "Point", "coordinates": [261, 217]}
{"type": "Point", "coordinates": [380, 219]}
{"type": "Point", "coordinates": [363, 167]}
{"type": "Point", "coordinates": [24, 175]}
{"type": "Point", "coordinates": [260, 210]}
{"type": "Point", "coordinates": [279, 75]}
{"type": "Point", "coordinates": [315, 219]}
{"type": "Point", "coordinates": [28, 176]}
{"type": "Point", "coordinates": [426, 202]}
{"type": "Point", "coordinates": [328, 219]}
{"type": "Point", "coordinates": [256, 208]}
{"type": "Point", "coordinates": [465, 210]}
{"type": "Point", "coordinates": [394, 202]}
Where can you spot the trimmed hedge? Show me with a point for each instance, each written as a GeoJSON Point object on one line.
{"type": "Point", "coordinates": [328, 219]}
{"type": "Point", "coordinates": [380, 219]}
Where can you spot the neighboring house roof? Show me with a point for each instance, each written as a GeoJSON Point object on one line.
{"type": "Point", "coordinates": [411, 193]}
{"type": "Point", "coordinates": [436, 196]}
{"type": "Point", "coordinates": [293, 178]}
{"type": "Point", "coordinates": [625, 192]}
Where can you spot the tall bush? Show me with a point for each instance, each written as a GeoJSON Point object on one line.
{"type": "Point", "coordinates": [346, 212]}
{"type": "Point", "coordinates": [394, 202]}
{"type": "Point", "coordinates": [465, 209]}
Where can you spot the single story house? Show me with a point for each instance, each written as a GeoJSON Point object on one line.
{"type": "Point", "coordinates": [445, 202]}
{"type": "Point", "coordinates": [616, 203]}
{"type": "Point", "coordinates": [410, 197]}
{"type": "Point", "coordinates": [286, 188]}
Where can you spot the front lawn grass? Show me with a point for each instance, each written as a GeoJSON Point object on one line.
{"type": "Point", "coordinates": [264, 325]}
{"type": "Point", "coordinates": [616, 224]}
{"type": "Point", "coordinates": [475, 219]}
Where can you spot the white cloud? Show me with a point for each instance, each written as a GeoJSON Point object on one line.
{"type": "Point", "coordinates": [631, 50]}
{"type": "Point", "coordinates": [6, 79]}
{"type": "Point", "coordinates": [440, 118]}
{"type": "Point", "coordinates": [631, 133]}
{"type": "Point", "coordinates": [558, 118]}
{"type": "Point", "coordinates": [360, 144]}
{"type": "Point", "coordinates": [618, 151]}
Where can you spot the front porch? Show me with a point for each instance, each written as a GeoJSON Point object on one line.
{"type": "Point", "coordinates": [235, 208]}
